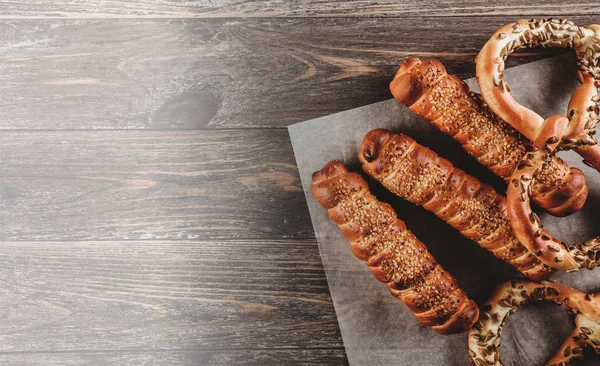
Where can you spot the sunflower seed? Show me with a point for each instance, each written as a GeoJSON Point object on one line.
{"type": "Point", "coordinates": [479, 362]}
{"type": "Point", "coordinates": [503, 86]}
{"type": "Point", "coordinates": [552, 247]}
{"type": "Point", "coordinates": [505, 303]}
{"type": "Point", "coordinates": [590, 123]}
{"type": "Point", "coordinates": [532, 217]}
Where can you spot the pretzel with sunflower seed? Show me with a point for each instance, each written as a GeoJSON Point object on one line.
{"type": "Point", "coordinates": [484, 336]}
{"type": "Point", "coordinates": [525, 223]}
{"type": "Point", "coordinates": [576, 131]}
{"type": "Point", "coordinates": [578, 134]}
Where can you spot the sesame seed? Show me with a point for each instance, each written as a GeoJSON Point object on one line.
{"type": "Point", "coordinates": [406, 263]}
{"type": "Point", "coordinates": [418, 176]}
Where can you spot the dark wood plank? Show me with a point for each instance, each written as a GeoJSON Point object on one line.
{"type": "Point", "coordinates": [39, 9]}
{"type": "Point", "coordinates": [219, 73]}
{"type": "Point", "coordinates": [164, 295]}
{"type": "Point", "coordinates": [155, 274]}
{"type": "Point", "coordinates": [333, 356]}
{"type": "Point", "coordinates": [122, 185]}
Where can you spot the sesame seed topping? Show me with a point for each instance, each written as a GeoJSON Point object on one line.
{"type": "Point", "coordinates": [405, 263]}
{"type": "Point", "coordinates": [421, 177]}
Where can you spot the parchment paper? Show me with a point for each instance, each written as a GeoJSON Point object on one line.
{"type": "Point", "coordinates": [378, 329]}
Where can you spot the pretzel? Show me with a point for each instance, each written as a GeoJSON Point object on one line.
{"type": "Point", "coordinates": [420, 176]}
{"type": "Point", "coordinates": [578, 133]}
{"type": "Point", "coordinates": [525, 223]}
{"type": "Point", "coordinates": [394, 255]}
{"type": "Point", "coordinates": [485, 335]}
{"type": "Point", "coordinates": [447, 102]}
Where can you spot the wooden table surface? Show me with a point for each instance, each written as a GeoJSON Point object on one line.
{"type": "Point", "coordinates": [150, 207]}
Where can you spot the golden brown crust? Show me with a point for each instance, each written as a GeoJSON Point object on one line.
{"type": "Point", "coordinates": [448, 104]}
{"type": "Point", "coordinates": [394, 255]}
{"type": "Point", "coordinates": [590, 155]}
{"type": "Point", "coordinates": [571, 349]}
{"type": "Point", "coordinates": [420, 176]}
{"type": "Point", "coordinates": [525, 223]}
{"type": "Point", "coordinates": [583, 108]}
{"type": "Point", "coordinates": [546, 33]}
{"type": "Point", "coordinates": [488, 71]}
{"type": "Point", "coordinates": [485, 335]}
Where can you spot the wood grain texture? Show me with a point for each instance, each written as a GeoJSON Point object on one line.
{"type": "Point", "coordinates": [334, 356]}
{"type": "Point", "coordinates": [219, 73]}
{"type": "Point", "coordinates": [39, 9]}
{"type": "Point", "coordinates": [127, 247]}
{"type": "Point", "coordinates": [121, 185]}
{"type": "Point", "coordinates": [164, 295]}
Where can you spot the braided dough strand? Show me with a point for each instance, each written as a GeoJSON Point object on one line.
{"type": "Point", "coordinates": [420, 176]}
{"type": "Point", "coordinates": [485, 335]}
{"type": "Point", "coordinates": [445, 101]}
{"type": "Point", "coordinates": [394, 255]}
